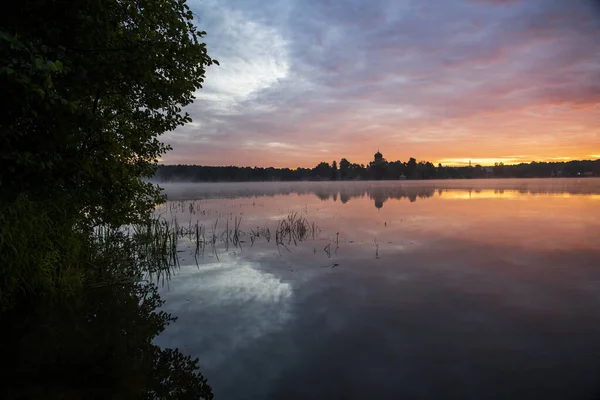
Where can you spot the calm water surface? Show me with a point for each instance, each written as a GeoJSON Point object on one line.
{"type": "Point", "coordinates": [415, 290]}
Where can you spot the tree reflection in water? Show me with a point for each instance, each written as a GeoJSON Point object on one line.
{"type": "Point", "coordinates": [98, 344]}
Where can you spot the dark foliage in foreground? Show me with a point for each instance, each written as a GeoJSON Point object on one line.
{"type": "Point", "coordinates": [87, 88]}
{"type": "Point", "coordinates": [80, 324]}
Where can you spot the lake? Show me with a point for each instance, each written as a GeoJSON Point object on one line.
{"type": "Point", "coordinates": [471, 289]}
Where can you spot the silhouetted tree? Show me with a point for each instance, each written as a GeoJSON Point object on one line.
{"type": "Point", "coordinates": [334, 171]}
{"type": "Point", "coordinates": [499, 169]}
{"type": "Point", "coordinates": [87, 89]}
{"type": "Point", "coordinates": [425, 170]}
{"type": "Point", "coordinates": [85, 95]}
{"type": "Point", "coordinates": [411, 168]}
{"type": "Point", "coordinates": [344, 167]}
{"type": "Point", "coordinates": [392, 170]}
{"type": "Point", "coordinates": [322, 171]}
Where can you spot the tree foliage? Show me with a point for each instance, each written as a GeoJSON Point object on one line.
{"type": "Point", "coordinates": [40, 250]}
{"type": "Point", "coordinates": [87, 92]}
{"type": "Point", "coordinates": [388, 170]}
{"type": "Point", "coordinates": [88, 87]}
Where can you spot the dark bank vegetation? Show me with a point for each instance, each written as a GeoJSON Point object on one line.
{"type": "Point", "coordinates": [88, 86]}
{"type": "Point", "coordinates": [91, 336]}
{"type": "Point", "coordinates": [344, 170]}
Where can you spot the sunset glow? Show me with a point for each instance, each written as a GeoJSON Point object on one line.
{"type": "Point", "coordinates": [443, 81]}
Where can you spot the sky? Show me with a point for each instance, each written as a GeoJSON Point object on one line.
{"type": "Point", "coordinates": [447, 81]}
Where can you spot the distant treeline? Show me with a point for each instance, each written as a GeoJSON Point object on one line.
{"type": "Point", "coordinates": [346, 170]}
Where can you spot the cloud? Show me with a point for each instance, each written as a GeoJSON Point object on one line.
{"type": "Point", "coordinates": [498, 2]}
{"type": "Point", "coordinates": [253, 57]}
{"type": "Point", "coordinates": [302, 80]}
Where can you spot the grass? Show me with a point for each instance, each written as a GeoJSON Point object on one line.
{"type": "Point", "coordinates": [40, 250]}
{"type": "Point", "coordinates": [46, 252]}
{"type": "Point", "coordinates": [294, 228]}
{"type": "Point", "coordinates": [78, 315]}
{"type": "Point", "coordinates": [164, 235]}
{"type": "Point", "coordinates": [263, 232]}
{"type": "Point", "coordinates": [155, 247]}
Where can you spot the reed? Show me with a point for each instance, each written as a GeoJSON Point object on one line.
{"type": "Point", "coordinates": [156, 242]}
{"type": "Point", "coordinates": [293, 228]}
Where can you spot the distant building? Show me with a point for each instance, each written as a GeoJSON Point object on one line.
{"type": "Point", "coordinates": [378, 158]}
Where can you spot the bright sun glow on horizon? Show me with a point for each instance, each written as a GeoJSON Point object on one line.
{"type": "Point", "coordinates": [449, 162]}
{"type": "Point", "coordinates": [506, 160]}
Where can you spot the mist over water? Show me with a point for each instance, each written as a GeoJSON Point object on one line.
{"type": "Point", "coordinates": [197, 191]}
{"type": "Point", "coordinates": [430, 289]}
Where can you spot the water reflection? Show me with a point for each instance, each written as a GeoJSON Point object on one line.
{"type": "Point", "coordinates": [464, 290]}
{"type": "Point", "coordinates": [381, 192]}
{"type": "Point", "coordinates": [218, 290]}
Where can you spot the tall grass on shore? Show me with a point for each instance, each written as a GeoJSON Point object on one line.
{"type": "Point", "coordinates": [46, 252]}
{"type": "Point", "coordinates": [78, 312]}
{"type": "Point", "coordinates": [41, 248]}
{"type": "Point", "coordinates": [157, 242]}
{"type": "Point", "coordinates": [70, 293]}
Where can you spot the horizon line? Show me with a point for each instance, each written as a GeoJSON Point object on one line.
{"type": "Point", "coordinates": [459, 162]}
